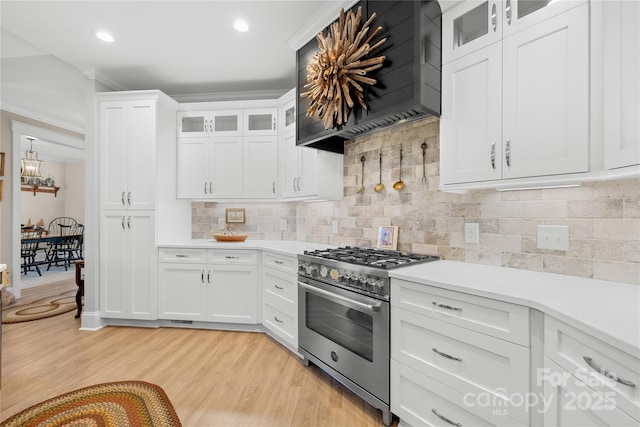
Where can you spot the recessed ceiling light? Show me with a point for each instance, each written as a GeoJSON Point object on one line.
{"type": "Point", "coordinates": [241, 25]}
{"type": "Point", "coordinates": [104, 36]}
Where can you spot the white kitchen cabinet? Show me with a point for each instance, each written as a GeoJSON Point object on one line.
{"type": "Point", "coordinates": [518, 107]}
{"type": "Point", "coordinates": [608, 371]}
{"type": "Point", "coordinates": [127, 150]}
{"type": "Point", "coordinates": [260, 122]}
{"type": "Point", "coordinates": [572, 403]}
{"type": "Point", "coordinates": [208, 285]}
{"type": "Point", "coordinates": [259, 170]}
{"type": "Point", "coordinates": [478, 347]}
{"type": "Point", "coordinates": [128, 265]}
{"type": "Point", "coordinates": [621, 48]}
{"type": "Point", "coordinates": [227, 161]}
{"type": "Point", "coordinates": [280, 298]}
{"type": "Point", "coordinates": [194, 124]}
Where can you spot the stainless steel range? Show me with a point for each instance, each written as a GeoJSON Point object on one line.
{"type": "Point", "coordinates": [343, 324]}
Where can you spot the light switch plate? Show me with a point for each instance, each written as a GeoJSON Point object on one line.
{"type": "Point", "coordinates": [221, 224]}
{"type": "Point", "coordinates": [283, 224]}
{"type": "Point", "coordinates": [334, 227]}
{"type": "Point", "coordinates": [553, 237]}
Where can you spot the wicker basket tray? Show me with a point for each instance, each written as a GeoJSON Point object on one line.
{"type": "Point", "coordinates": [230, 237]}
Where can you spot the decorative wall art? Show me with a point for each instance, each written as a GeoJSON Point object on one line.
{"type": "Point", "coordinates": [388, 237]}
{"type": "Point", "coordinates": [338, 72]}
{"type": "Point", "coordinates": [1, 164]}
{"type": "Point", "coordinates": [235, 215]}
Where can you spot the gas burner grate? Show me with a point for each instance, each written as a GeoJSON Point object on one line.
{"type": "Point", "coordinates": [372, 257]}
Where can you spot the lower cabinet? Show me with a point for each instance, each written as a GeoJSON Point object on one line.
{"type": "Point", "coordinates": [208, 285]}
{"type": "Point", "coordinates": [128, 265]}
{"type": "Point", "coordinates": [444, 371]}
{"type": "Point", "coordinates": [280, 298]}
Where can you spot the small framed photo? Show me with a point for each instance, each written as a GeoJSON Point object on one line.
{"type": "Point", "coordinates": [235, 215]}
{"type": "Point", "coordinates": [388, 237]}
{"type": "Point", "coordinates": [1, 164]}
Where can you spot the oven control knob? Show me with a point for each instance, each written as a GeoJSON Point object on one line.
{"type": "Point", "coordinates": [312, 270]}
{"type": "Point", "coordinates": [379, 287]}
{"type": "Point", "coordinates": [344, 279]}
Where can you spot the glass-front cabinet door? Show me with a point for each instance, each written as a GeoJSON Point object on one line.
{"type": "Point", "coordinates": [261, 121]}
{"type": "Point", "coordinates": [193, 124]}
{"type": "Point", "coordinates": [226, 123]}
{"type": "Point", "coordinates": [520, 14]}
{"type": "Point", "coordinates": [470, 26]}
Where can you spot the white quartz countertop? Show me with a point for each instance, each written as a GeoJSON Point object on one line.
{"type": "Point", "coordinates": [286, 247]}
{"type": "Point", "coordinates": [607, 310]}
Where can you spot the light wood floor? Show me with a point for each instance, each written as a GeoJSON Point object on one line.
{"type": "Point", "coordinates": [213, 378]}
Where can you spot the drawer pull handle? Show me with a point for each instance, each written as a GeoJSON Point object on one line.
{"type": "Point", "coordinates": [606, 373]}
{"type": "Point", "coordinates": [277, 320]}
{"type": "Point", "coordinates": [435, 350]}
{"type": "Point", "coordinates": [445, 419]}
{"type": "Point", "coordinates": [202, 276]}
{"type": "Point", "coordinates": [231, 257]}
{"type": "Point", "coordinates": [278, 287]}
{"type": "Point", "coordinates": [448, 307]}
{"type": "Point", "coordinates": [278, 262]}
{"type": "Point", "coordinates": [182, 256]}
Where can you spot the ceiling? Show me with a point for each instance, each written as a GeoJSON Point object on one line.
{"type": "Point", "coordinates": [180, 47]}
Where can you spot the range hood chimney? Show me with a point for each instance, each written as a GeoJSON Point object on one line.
{"type": "Point", "coordinates": [408, 85]}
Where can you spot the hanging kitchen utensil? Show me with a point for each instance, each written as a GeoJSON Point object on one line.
{"type": "Point", "coordinates": [424, 157]}
{"type": "Point", "coordinates": [399, 185]}
{"type": "Point", "coordinates": [379, 186]}
{"type": "Point", "coordinates": [361, 189]}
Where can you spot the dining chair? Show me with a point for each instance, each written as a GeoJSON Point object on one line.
{"type": "Point", "coordinates": [67, 247]}
{"type": "Point", "coordinates": [30, 239]}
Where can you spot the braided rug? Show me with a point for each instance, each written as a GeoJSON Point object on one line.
{"type": "Point", "coordinates": [116, 404]}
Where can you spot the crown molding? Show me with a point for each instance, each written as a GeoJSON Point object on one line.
{"type": "Point", "coordinates": [228, 96]}
{"type": "Point", "coordinates": [53, 121]}
{"type": "Point", "coordinates": [323, 18]}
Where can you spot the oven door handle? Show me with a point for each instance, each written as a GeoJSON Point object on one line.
{"type": "Point", "coordinates": [340, 298]}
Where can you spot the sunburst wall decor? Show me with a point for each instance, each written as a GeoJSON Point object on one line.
{"type": "Point", "coordinates": [338, 72]}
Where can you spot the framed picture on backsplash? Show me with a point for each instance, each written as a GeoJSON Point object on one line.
{"type": "Point", "coordinates": [388, 237]}
{"type": "Point", "coordinates": [235, 215]}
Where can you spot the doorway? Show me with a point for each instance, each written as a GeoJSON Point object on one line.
{"type": "Point", "coordinates": [63, 162]}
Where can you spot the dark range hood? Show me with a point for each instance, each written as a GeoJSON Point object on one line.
{"type": "Point", "coordinates": [408, 85]}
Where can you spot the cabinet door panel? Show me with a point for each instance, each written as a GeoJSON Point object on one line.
{"type": "Point", "coordinates": [308, 181]}
{"type": "Point", "coordinates": [621, 83]}
{"type": "Point", "coordinates": [141, 156]}
{"type": "Point", "coordinates": [232, 295]}
{"type": "Point", "coordinates": [113, 271]}
{"type": "Point", "coordinates": [260, 172]}
{"type": "Point", "coordinates": [193, 124]}
{"type": "Point", "coordinates": [291, 161]}
{"type": "Point", "coordinates": [113, 154]}
{"type": "Point", "coordinates": [192, 168]}
{"type": "Point", "coordinates": [182, 291]}
{"type": "Point", "coordinates": [143, 261]}
{"type": "Point", "coordinates": [546, 97]}
{"type": "Point", "coordinates": [470, 126]}
{"type": "Point", "coordinates": [260, 121]}
{"type": "Point", "coordinates": [226, 167]}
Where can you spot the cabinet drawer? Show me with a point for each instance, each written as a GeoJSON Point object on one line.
{"type": "Point", "coordinates": [466, 361]}
{"type": "Point", "coordinates": [418, 400]}
{"type": "Point", "coordinates": [495, 318]}
{"type": "Point", "coordinates": [568, 347]}
{"type": "Point", "coordinates": [232, 257]}
{"type": "Point", "coordinates": [569, 402]}
{"type": "Point", "coordinates": [281, 286]}
{"type": "Point", "coordinates": [281, 322]}
{"type": "Point", "coordinates": [281, 262]}
{"type": "Point", "coordinates": [183, 255]}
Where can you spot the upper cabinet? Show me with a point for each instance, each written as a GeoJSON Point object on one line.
{"type": "Point", "coordinates": [621, 49]}
{"type": "Point", "coordinates": [209, 123]}
{"type": "Point", "coordinates": [127, 154]}
{"type": "Point", "coordinates": [228, 154]}
{"type": "Point", "coordinates": [301, 167]}
{"type": "Point", "coordinates": [515, 91]}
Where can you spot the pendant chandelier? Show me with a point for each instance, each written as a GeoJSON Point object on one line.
{"type": "Point", "coordinates": [30, 164]}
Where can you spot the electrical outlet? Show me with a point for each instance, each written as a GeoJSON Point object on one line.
{"type": "Point", "coordinates": [553, 237]}
{"type": "Point", "coordinates": [221, 224]}
{"type": "Point", "coordinates": [334, 227]}
{"type": "Point", "coordinates": [472, 232]}
{"type": "Point", "coordinates": [283, 224]}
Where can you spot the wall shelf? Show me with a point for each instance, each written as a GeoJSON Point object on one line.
{"type": "Point", "coordinates": [40, 189]}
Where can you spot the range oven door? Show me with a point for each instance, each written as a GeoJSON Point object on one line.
{"type": "Point", "coordinates": [347, 331]}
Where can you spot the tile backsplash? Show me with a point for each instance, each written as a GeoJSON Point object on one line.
{"type": "Point", "coordinates": [603, 218]}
